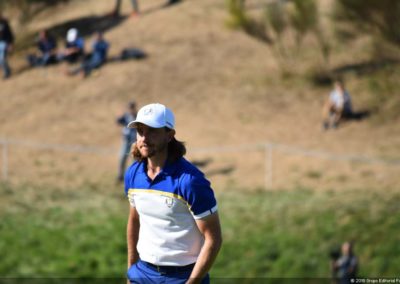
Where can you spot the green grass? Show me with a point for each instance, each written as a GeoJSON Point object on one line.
{"type": "Point", "coordinates": [266, 234]}
{"type": "Point", "coordinates": [290, 233]}
{"type": "Point", "coordinates": [57, 243]}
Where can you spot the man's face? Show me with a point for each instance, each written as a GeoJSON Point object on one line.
{"type": "Point", "coordinates": [152, 141]}
{"type": "Point", "coordinates": [339, 86]}
{"type": "Point", "coordinates": [42, 35]}
{"type": "Point", "coordinates": [346, 248]}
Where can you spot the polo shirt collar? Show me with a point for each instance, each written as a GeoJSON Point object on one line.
{"type": "Point", "coordinates": [169, 168]}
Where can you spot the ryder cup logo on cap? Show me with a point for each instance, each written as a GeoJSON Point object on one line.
{"type": "Point", "coordinates": [155, 116]}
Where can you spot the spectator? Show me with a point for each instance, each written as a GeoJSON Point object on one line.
{"type": "Point", "coordinates": [6, 45]}
{"type": "Point", "coordinates": [96, 58]}
{"type": "Point", "coordinates": [345, 267]}
{"type": "Point", "coordinates": [117, 9]}
{"type": "Point", "coordinates": [46, 45]}
{"type": "Point", "coordinates": [74, 47]}
{"type": "Point", "coordinates": [337, 107]}
{"type": "Point", "coordinates": [129, 137]}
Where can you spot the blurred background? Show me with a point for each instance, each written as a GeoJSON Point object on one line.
{"type": "Point", "coordinates": [247, 81]}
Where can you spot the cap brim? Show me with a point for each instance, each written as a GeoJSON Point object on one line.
{"type": "Point", "coordinates": [133, 124]}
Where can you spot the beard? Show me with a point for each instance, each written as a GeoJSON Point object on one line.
{"type": "Point", "coordinates": [150, 150]}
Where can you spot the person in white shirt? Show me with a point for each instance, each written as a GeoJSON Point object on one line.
{"type": "Point", "coordinates": [337, 106]}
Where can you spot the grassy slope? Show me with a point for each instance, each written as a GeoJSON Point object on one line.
{"type": "Point", "coordinates": [225, 88]}
{"type": "Point", "coordinates": [266, 234]}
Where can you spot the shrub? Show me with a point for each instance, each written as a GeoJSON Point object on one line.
{"type": "Point", "coordinates": [380, 19]}
{"type": "Point", "coordinates": [28, 8]}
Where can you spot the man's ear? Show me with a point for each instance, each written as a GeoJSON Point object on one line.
{"type": "Point", "coordinates": [171, 135]}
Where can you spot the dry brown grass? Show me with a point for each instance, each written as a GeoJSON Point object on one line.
{"type": "Point", "coordinates": [224, 87]}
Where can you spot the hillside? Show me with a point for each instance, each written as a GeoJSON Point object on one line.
{"type": "Point", "coordinates": [224, 87]}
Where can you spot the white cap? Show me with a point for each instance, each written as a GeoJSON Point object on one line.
{"type": "Point", "coordinates": [72, 34]}
{"type": "Point", "coordinates": [155, 116]}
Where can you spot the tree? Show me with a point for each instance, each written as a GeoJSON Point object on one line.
{"type": "Point", "coordinates": [29, 8]}
{"type": "Point", "coordinates": [380, 19]}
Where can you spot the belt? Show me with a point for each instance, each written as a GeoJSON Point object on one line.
{"type": "Point", "coordinates": [168, 269]}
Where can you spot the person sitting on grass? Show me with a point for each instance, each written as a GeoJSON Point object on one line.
{"type": "Point", "coordinates": [74, 47]}
{"type": "Point", "coordinates": [97, 58]}
{"type": "Point", "coordinates": [47, 47]}
{"type": "Point", "coordinates": [337, 107]}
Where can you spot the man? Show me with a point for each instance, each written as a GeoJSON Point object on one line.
{"type": "Point", "coordinates": [129, 137]}
{"type": "Point", "coordinates": [346, 266]}
{"type": "Point", "coordinates": [173, 230]}
{"type": "Point", "coordinates": [6, 42]}
{"type": "Point", "coordinates": [47, 47]}
{"type": "Point", "coordinates": [117, 9]}
{"type": "Point", "coordinates": [74, 47]}
{"type": "Point", "coordinates": [337, 106]}
{"type": "Point", "coordinates": [96, 59]}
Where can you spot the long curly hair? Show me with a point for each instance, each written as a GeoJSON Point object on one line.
{"type": "Point", "coordinates": [176, 150]}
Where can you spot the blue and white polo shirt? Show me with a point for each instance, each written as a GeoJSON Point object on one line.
{"type": "Point", "coordinates": [168, 207]}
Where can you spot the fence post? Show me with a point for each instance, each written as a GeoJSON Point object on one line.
{"type": "Point", "coordinates": [5, 159]}
{"type": "Point", "coordinates": [268, 166]}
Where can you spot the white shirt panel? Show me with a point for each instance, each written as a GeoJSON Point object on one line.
{"type": "Point", "coordinates": [168, 232]}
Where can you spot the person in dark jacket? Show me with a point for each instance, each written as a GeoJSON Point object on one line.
{"type": "Point", "coordinates": [129, 137]}
{"type": "Point", "coordinates": [74, 47]}
{"type": "Point", "coordinates": [6, 44]}
{"type": "Point", "coordinates": [346, 266]}
{"type": "Point", "coordinates": [47, 47]}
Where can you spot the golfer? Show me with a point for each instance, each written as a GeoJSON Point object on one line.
{"type": "Point", "coordinates": [173, 230]}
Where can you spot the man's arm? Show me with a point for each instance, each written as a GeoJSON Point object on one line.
{"type": "Point", "coordinates": [211, 229]}
{"type": "Point", "coordinates": [132, 236]}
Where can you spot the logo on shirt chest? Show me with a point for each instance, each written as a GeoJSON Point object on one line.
{"type": "Point", "coordinates": [169, 201]}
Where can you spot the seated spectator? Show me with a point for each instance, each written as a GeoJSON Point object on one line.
{"type": "Point", "coordinates": [337, 107]}
{"type": "Point", "coordinates": [74, 47]}
{"type": "Point", "coordinates": [46, 45]}
{"type": "Point", "coordinates": [97, 57]}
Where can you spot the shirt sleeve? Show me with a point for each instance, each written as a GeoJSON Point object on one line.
{"type": "Point", "coordinates": [200, 196]}
{"type": "Point", "coordinates": [128, 186]}
{"type": "Point", "coordinates": [80, 43]}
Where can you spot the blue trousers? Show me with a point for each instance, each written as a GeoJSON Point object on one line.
{"type": "Point", "coordinates": [3, 59]}
{"type": "Point", "coordinates": [142, 273]}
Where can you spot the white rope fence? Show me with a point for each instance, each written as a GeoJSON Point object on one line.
{"type": "Point", "coordinates": [268, 148]}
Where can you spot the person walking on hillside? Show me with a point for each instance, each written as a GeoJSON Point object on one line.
{"type": "Point", "coordinates": [117, 9]}
{"type": "Point", "coordinates": [173, 230]}
{"type": "Point", "coordinates": [337, 106]}
{"type": "Point", "coordinates": [6, 45]}
{"type": "Point", "coordinates": [128, 137]}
